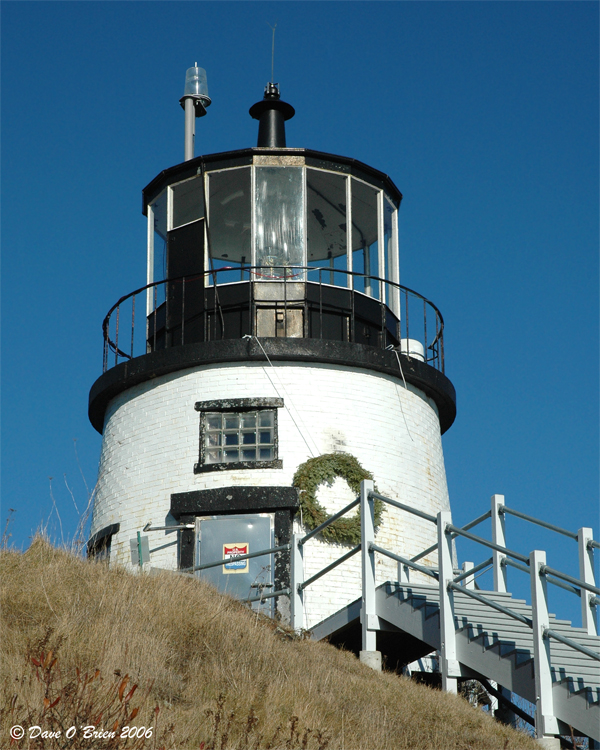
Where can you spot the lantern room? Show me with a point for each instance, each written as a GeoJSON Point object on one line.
{"type": "Point", "coordinates": [304, 228]}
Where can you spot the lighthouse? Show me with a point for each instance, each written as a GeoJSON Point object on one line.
{"type": "Point", "coordinates": [270, 362]}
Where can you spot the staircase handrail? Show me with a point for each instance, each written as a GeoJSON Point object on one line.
{"type": "Point", "coordinates": [591, 544]}
{"type": "Point", "coordinates": [205, 566]}
{"type": "Point", "coordinates": [554, 582]}
{"type": "Point", "coordinates": [404, 561]}
{"type": "Point", "coordinates": [547, 570]}
{"type": "Point", "coordinates": [548, 633]}
{"type": "Point", "coordinates": [497, 547]}
{"type": "Point", "coordinates": [537, 521]}
{"type": "Point", "coordinates": [396, 504]}
{"type": "Point", "coordinates": [328, 521]}
{"type": "Point", "coordinates": [490, 603]}
{"type": "Point", "coordinates": [271, 595]}
{"type": "Point", "coordinates": [327, 568]}
{"type": "Point", "coordinates": [466, 527]}
{"type": "Point", "coordinates": [472, 571]}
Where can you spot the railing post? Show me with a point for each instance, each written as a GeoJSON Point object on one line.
{"type": "Point", "coordinates": [403, 573]}
{"type": "Point", "coordinates": [368, 613]}
{"type": "Point", "coordinates": [586, 573]}
{"type": "Point", "coordinates": [450, 665]}
{"type": "Point", "coordinates": [498, 537]}
{"type": "Point", "coordinates": [469, 581]}
{"type": "Point", "coordinates": [546, 725]}
{"type": "Point", "coordinates": [297, 577]}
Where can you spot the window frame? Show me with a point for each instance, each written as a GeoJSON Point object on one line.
{"type": "Point", "coordinates": [170, 199]}
{"type": "Point", "coordinates": [237, 406]}
{"type": "Point", "coordinates": [210, 279]}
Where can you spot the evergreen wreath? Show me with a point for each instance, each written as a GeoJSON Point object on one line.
{"type": "Point", "coordinates": [326, 468]}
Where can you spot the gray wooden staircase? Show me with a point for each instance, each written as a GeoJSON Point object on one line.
{"type": "Point", "coordinates": [490, 645]}
{"type": "Point", "coordinates": [486, 635]}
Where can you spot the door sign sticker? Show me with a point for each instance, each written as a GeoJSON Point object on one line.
{"type": "Point", "coordinates": [230, 552]}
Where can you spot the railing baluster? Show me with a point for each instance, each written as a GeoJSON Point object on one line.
{"type": "Point", "coordinates": [117, 338]}
{"type": "Point", "coordinates": [167, 320]}
{"type": "Point", "coordinates": [132, 322]}
{"type": "Point", "coordinates": [425, 329]}
{"type": "Point", "coordinates": [204, 311]}
{"type": "Point", "coordinates": [251, 307]}
{"type": "Point", "coordinates": [320, 305]}
{"type": "Point", "coordinates": [285, 311]}
{"type": "Point", "coordinates": [437, 346]}
{"type": "Point", "coordinates": [155, 318]}
{"type": "Point", "coordinates": [352, 313]}
{"type": "Point", "coordinates": [183, 312]}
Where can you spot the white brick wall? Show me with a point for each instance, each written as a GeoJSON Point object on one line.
{"type": "Point", "coordinates": [151, 442]}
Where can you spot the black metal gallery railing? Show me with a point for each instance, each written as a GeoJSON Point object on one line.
{"type": "Point", "coordinates": [296, 302]}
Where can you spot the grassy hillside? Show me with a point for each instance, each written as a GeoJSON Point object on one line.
{"type": "Point", "coordinates": [77, 637]}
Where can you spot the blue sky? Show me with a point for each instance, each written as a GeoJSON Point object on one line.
{"type": "Point", "coordinates": [485, 114]}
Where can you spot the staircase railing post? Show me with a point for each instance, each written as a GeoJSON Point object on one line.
{"type": "Point", "coordinates": [403, 573]}
{"type": "Point", "coordinates": [450, 666]}
{"type": "Point", "coordinates": [469, 581]}
{"type": "Point", "coordinates": [546, 724]}
{"type": "Point", "coordinates": [586, 573]}
{"type": "Point", "coordinates": [368, 613]}
{"type": "Point", "coordinates": [297, 577]}
{"type": "Point", "coordinates": [498, 537]}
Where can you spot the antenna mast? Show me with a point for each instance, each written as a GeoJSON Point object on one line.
{"type": "Point", "coordinates": [272, 50]}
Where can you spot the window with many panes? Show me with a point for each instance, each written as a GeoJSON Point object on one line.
{"type": "Point", "coordinates": [238, 434]}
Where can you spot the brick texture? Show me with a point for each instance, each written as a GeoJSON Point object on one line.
{"type": "Point", "coordinates": [151, 442]}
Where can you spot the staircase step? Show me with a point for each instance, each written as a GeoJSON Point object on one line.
{"type": "Point", "coordinates": [489, 639]}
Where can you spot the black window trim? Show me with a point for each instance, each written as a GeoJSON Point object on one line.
{"type": "Point", "coordinates": [238, 405]}
{"type": "Point", "coordinates": [102, 540]}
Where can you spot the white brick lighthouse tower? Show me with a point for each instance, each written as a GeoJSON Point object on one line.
{"type": "Point", "coordinates": [272, 361]}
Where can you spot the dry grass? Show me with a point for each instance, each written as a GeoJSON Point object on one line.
{"type": "Point", "coordinates": [210, 674]}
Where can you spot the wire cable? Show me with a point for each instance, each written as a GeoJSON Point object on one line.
{"type": "Point", "coordinates": [398, 394]}
{"type": "Point", "coordinates": [289, 400]}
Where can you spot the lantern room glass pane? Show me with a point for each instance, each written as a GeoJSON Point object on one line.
{"type": "Point", "coordinates": [187, 202]}
{"type": "Point", "coordinates": [159, 220]}
{"type": "Point", "coordinates": [279, 221]}
{"type": "Point", "coordinates": [230, 222]}
{"type": "Point", "coordinates": [388, 248]}
{"type": "Point", "coordinates": [326, 244]}
{"type": "Point", "coordinates": [365, 253]}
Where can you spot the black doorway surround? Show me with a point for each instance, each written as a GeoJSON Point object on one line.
{"type": "Point", "coordinates": [220, 501]}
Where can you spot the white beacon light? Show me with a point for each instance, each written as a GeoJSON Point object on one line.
{"type": "Point", "coordinates": [194, 101]}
